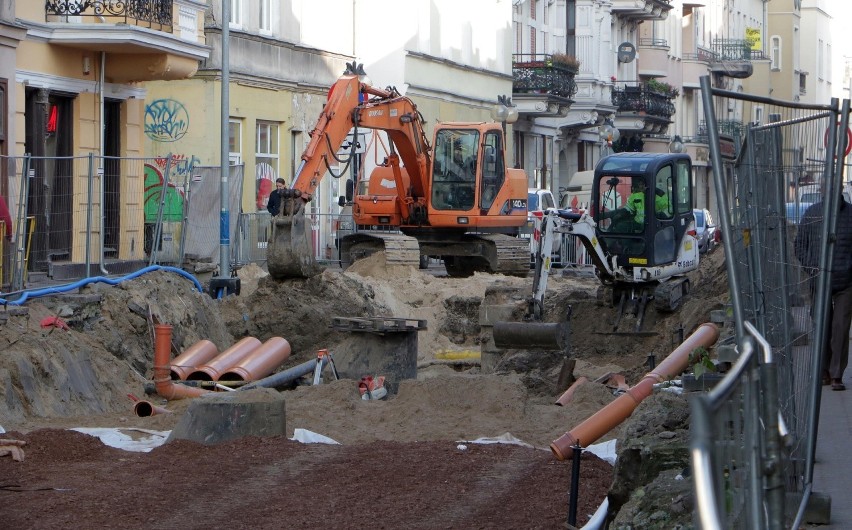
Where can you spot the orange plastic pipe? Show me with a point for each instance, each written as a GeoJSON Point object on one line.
{"type": "Point", "coordinates": [260, 362]}
{"type": "Point", "coordinates": [162, 380]}
{"type": "Point", "coordinates": [196, 355]}
{"type": "Point", "coordinates": [225, 360]}
{"type": "Point", "coordinates": [143, 409]}
{"type": "Point", "coordinates": [603, 421]}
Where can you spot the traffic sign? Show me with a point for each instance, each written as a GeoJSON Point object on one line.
{"type": "Point", "coordinates": [848, 140]}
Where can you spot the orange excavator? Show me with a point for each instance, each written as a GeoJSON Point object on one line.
{"type": "Point", "coordinates": [457, 200]}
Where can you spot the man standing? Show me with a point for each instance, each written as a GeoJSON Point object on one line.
{"type": "Point", "coordinates": [835, 353]}
{"type": "Point", "coordinates": [274, 204]}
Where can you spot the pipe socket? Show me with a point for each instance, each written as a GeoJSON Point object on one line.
{"type": "Point", "coordinates": [198, 354]}
{"type": "Point", "coordinates": [260, 362]}
{"type": "Point", "coordinates": [143, 409]}
{"type": "Point", "coordinates": [225, 360]}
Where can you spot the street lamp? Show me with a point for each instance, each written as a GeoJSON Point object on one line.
{"type": "Point", "coordinates": [676, 145]}
{"type": "Point", "coordinates": [609, 134]}
{"type": "Point", "coordinates": [504, 112]}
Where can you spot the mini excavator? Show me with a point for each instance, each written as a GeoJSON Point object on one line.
{"type": "Point", "coordinates": [639, 233]}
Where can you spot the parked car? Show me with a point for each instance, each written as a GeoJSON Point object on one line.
{"type": "Point", "coordinates": [539, 200]}
{"type": "Point", "coordinates": [706, 230]}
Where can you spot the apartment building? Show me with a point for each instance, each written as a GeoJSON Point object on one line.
{"type": "Point", "coordinates": [71, 75]}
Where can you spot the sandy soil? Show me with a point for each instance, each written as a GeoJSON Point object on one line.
{"type": "Point", "coordinates": [53, 378]}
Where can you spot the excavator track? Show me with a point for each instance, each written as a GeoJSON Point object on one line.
{"type": "Point", "coordinates": [668, 296]}
{"type": "Point", "coordinates": [513, 254]}
{"type": "Point", "coordinates": [399, 249]}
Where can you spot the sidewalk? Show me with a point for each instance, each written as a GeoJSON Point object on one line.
{"type": "Point", "coordinates": [833, 466]}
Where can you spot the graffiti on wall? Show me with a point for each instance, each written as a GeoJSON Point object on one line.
{"type": "Point", "coordinates": [173, 201]}
{"type": "Point", "coordinates": [166, 120]}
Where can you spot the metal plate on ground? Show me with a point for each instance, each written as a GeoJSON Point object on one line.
{"type": "Point", "coordinates": [378, 324]}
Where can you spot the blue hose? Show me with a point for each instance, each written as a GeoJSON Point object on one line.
{"type": "Point", "coordinates": [85, 281]}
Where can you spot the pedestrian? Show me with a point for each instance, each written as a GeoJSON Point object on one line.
{"type": "Point", "coordinates": [274, 203]}
{"type": "Point", "coordinates": [835, 351]}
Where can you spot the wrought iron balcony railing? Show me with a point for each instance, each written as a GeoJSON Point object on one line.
{"type": "Point", "coordinates": [735, 50]}
{"type": "Point", "coordinates": [640, 98]}
{"type": "Point", "coordinates": [734, 128]}
{"type": "Point", "coordinates": [539, 73]}
{"type": "Point", "coordinates": [155, 14]}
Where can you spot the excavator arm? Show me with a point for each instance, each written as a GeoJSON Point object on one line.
{"type": "Point", "coordinates": [351, 104]}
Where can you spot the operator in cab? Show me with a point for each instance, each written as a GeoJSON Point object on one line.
{"type": "Point", "coordinates": [274, 204]}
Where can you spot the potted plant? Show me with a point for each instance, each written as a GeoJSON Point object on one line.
{"type": "Point", "coordinates": [661, 87]}
{"type": "Point", "coordinates": [565, 60]}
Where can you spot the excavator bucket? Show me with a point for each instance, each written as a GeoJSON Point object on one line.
{"type": "Point", "coordinates": [289, 253]}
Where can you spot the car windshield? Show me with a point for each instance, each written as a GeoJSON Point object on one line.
{"type": "Point", "coordinates": [699, 218]}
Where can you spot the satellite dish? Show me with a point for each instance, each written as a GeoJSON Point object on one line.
{"type": "Point", "coordinates": [626, 52]}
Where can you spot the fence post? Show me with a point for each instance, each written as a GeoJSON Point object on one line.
{"type": "Point", "coordinates": [89, 214]}
{"type": "Point", "coordinates": [21, 232]}
{"type": "Point", "coordinates": [102, 231]}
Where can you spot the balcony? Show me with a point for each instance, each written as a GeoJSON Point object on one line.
{"type": "Point", "coordinates": [639, 10]}
{"type": "Point", "coordinates": [143, 39]}
{"type": "Point", "coordinates": [643, 108]}
{"type": "Point", "coordinates": [655, 57]}
{"type": "Point", "coordinates": [733, 57]}
{"type": "Point", "coordinates": [696, 65]}
{"type": "Point", "coordinates": [542, 84]}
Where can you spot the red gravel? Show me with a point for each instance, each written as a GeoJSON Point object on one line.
{"type": "Point", "coordinates": [72, 480]}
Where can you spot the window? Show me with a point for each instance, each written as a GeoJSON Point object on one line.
{"type": "Point", "coordinates": [235, 142]}
{"type": "Point", "coordinates": [803, 82]}
{"type": "Point", "coordinates": [266, 154]}
{"type": "Point", "coordinates": [265, 16]}
{"type": "Point", "coordinates": [775, 53]}
{"type": "Point", "coordinates": [2, 112]}
{"type": "Point", "coordinates": [236, 20]}
{"type": "Point", "coordinates": [758, 115]}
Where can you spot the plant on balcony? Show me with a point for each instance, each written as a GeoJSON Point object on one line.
{"type": "Point", "coordinates": [568, 61]}
{"type": "Point", "coordinates": [661, 87]}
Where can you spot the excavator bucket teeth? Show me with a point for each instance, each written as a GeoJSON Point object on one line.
{"type": "Point", "coordinates": [289, 253]}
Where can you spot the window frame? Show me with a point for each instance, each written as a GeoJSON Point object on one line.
{"type": "Point", "coordinates": [236, 14]}
{"type": "Point", "coordinates": [273, 145]}
{"type": "Point", "coordinates": [235, 139]}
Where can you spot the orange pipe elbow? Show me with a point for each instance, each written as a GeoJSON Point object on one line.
{"type": "Point", "coordinates": [162, 380]}
{"type": "Point", "coordinates": [196, 355]}
{"type": "Point", "coordinates": [260, 362]}
{"type": "Point", "coordinates": [603, 421]}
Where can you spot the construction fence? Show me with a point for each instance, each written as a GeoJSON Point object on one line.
{"type": "Point", "coordinates": [84, 216]}
{"type": "Point", "coordinates": [754, 435]}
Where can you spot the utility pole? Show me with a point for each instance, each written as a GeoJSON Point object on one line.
{"type": "Point", "coordinates": [224, 284]}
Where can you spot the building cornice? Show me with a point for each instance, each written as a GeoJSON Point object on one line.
{"type": "Point", "coordinates": [77, 86]}
{"type": "Point", "coordinates": [105, 37]}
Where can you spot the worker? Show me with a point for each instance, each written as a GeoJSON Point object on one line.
{"type": "Point", "coordinates": [636, 201]}
{"type": "Point", "coordinates": [274, 204]}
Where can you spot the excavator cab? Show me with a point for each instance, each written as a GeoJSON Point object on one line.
{"type": "Point", "coordinates": [642, 203]}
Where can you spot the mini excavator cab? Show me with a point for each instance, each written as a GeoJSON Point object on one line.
{"type": "Point", "coordinates": [642, 204]}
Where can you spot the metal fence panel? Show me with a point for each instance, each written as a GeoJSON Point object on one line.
{"type": "Point", "coordinates": [759, 182]}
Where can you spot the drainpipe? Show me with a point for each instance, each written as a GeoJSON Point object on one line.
{"type": "Point", "coordinates": [589, 431]}
{"type": "Point", "coordinates": [196, 355]}
{"type": "Point", "coordinates": [260, 362]}
{"type": "Point", "coordinates": [101, 169]}
{"type": "Point", "coordinates": [225, 360]}
{"type": "Point", "coordinates": [286, 376]}
{"type": "Point", "coordinates": [162, 381]}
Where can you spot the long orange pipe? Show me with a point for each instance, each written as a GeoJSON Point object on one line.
{"type": "Point", "coordinates": [162, 379]}
{"type": "Point", "coordinates": [603, 421]}
{"type": "Point", "coordinates": [260, 362]}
